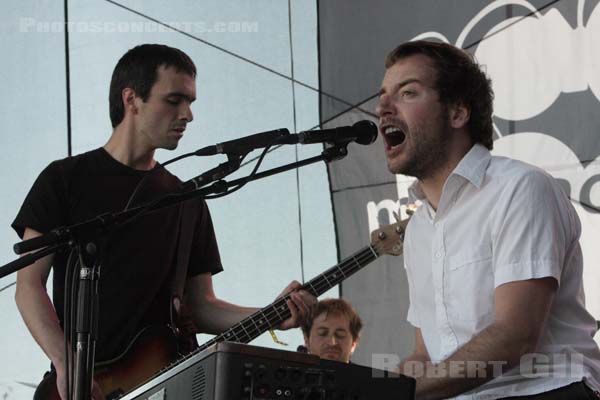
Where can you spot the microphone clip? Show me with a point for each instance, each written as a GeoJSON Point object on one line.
{"type": "Point", "coordinates": [335, 151]}
{"type": "Point", "coordinates": [214, 174]}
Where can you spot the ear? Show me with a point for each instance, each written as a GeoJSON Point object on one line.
{"type": "Point", "coordinates": [305, 340]}
{"type": "Point", "coordinates": [459, 115]}
{"type": "Point", "coordinates": [354, 344]}
{"type": "Point", "coordinates": [129, 97]}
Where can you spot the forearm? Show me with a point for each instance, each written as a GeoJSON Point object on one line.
{"type": "Point", "coordinates": [493, 351]}
{"type": "Point", "coordinates": [408, 366]}
{"type": "Point", "coordinates": [215, 316]}
{"type": "Point", "coordinates": [40, 318]}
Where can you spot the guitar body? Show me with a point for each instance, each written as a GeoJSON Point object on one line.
{"type": "Point", "coordinates": [151, 350]}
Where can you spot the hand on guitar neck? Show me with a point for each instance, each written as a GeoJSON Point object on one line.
{"type": "Point", "coordinates": [299, 302]}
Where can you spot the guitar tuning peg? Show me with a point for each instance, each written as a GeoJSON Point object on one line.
{"type": "Point", "coordinates": [411, 208]}
{"type": "Point", "coordinates": [400, 232]}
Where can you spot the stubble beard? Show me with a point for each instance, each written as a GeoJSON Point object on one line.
{"type": "Point", "coordinates": [428, 151]}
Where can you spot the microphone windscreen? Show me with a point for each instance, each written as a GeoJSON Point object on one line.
{"type": "Point", "coordinates": [367, 131]}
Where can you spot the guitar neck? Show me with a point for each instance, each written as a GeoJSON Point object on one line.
{"type": "Point", "coordinates": [272, 315]}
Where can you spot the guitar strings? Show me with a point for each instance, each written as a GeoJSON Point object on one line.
{"type": "Point", "coordinates": [319, 284]}
{"type": "Point", "coordinates": [248, 329]}
{"type": "Point", "coordinates": [316, 286]}
{"type": "Point", "coordinates": [244, 332]}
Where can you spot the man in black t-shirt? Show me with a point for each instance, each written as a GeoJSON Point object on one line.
{"type": "Point", "coordinates": [151, 91]}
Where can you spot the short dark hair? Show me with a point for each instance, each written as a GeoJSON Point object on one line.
{"type": "Point", "coordinates": [334, 307]}
{"type": "Point", "coordinates": [459, 80]}
{"type": "Point", "coordinates": [138, 70]}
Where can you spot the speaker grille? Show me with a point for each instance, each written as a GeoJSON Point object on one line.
{"type": "Point", "coordinates": [198, 383]}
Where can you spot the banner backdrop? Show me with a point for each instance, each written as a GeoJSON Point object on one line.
{"type": "Point", "coordinates": [543, 59]}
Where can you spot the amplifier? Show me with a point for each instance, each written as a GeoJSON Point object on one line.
{"type": "Point", "coordinates": [234, 371]}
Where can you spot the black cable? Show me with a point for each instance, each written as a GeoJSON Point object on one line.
{"type": "Point", "coordinates": [9, 285]}
{"type": "Point", "coordinates": [370, 185]}
{"type": "Point", "coordinates": [585, 205]}
{"type": "Point", "coordinates": [242, 58]}
{"type": "Point", "coordinates": [158, 166]}
{"type": "Point", "coordinates": [335, 116]}
{"type": "Point", "coordinates": [338, 252]}
{"type": "Point", "coordinates": [139, 185]}
{"type": "Point", "coordinates": [150, 205]}
{"type": "Point", "coordinates": [68, 79]}
{"type": "Point", "coordinates": [241, 185]}
{"type": "Point", "coordinates": [296, 145]}
{"type": "Point", "coordinates": [475, 43]}
{"type": "Point", "coordinates": [351, 106]}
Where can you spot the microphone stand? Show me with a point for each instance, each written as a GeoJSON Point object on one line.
{"type": "Point", "coordinates": [86, 324]}
{"type": "Point", "coordinates": [85, 243]}
{"type": "Point", "coordinates": [86, 239]}
{"type": "Point", "coordinates": [329, 154]}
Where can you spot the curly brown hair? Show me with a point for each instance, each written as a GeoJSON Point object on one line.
{"type": "Point", "coordinates": [459, 80]}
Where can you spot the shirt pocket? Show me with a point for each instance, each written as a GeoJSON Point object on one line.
{"type": "Point", "coordinates": [470, 286]}
{"type": "Point", "coordinates": [474, 255]}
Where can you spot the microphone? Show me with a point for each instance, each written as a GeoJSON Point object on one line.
{"type": "Point", "coordinates": [245, 144]}
{"type": "Point", "coordinates": [363, 132]}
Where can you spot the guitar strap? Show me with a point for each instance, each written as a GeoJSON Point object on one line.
{"type": "Point", "coordinates": [182, 320]}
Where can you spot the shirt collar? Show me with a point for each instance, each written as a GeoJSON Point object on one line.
{"type": "Point", "coordinates": [472, 167]}
{"type": "Point", "coordinates": [474, 164]}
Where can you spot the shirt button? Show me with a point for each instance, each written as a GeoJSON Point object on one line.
{"type": "Point", "coordinates": [438, 254]}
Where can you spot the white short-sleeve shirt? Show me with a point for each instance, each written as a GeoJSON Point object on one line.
{"type": "Point", "coordinates": [498, 221]}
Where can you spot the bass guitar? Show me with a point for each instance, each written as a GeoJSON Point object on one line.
{"type": "Point", "coordinates": [154, 350]}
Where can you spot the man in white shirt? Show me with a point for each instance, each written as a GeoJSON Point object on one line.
{"type": "Point", "coordinates": [492, 256]}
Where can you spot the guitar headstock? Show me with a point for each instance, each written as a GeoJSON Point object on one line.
{"type": "Point", "coordinates": [389, 239]}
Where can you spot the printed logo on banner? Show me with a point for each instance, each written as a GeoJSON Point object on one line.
{"type": "Point", "coordinates": [537, 65]}
{"type": "Point", "coordinates": [531, 62]}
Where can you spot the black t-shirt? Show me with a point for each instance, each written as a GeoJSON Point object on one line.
{"type": "Point", "coordinates": [139, 259]}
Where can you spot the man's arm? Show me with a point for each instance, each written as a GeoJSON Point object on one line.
{"type": "Point", "coordinates": [521, 311]}
{"type": "Point", "coordinates": [36, 307]}
{"type": "Point", "coordinates": [213, 315]}
{"type": "Point", "coordinates": [40, 317]}
{"type": "Point", "coordinates": [419, 355]}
